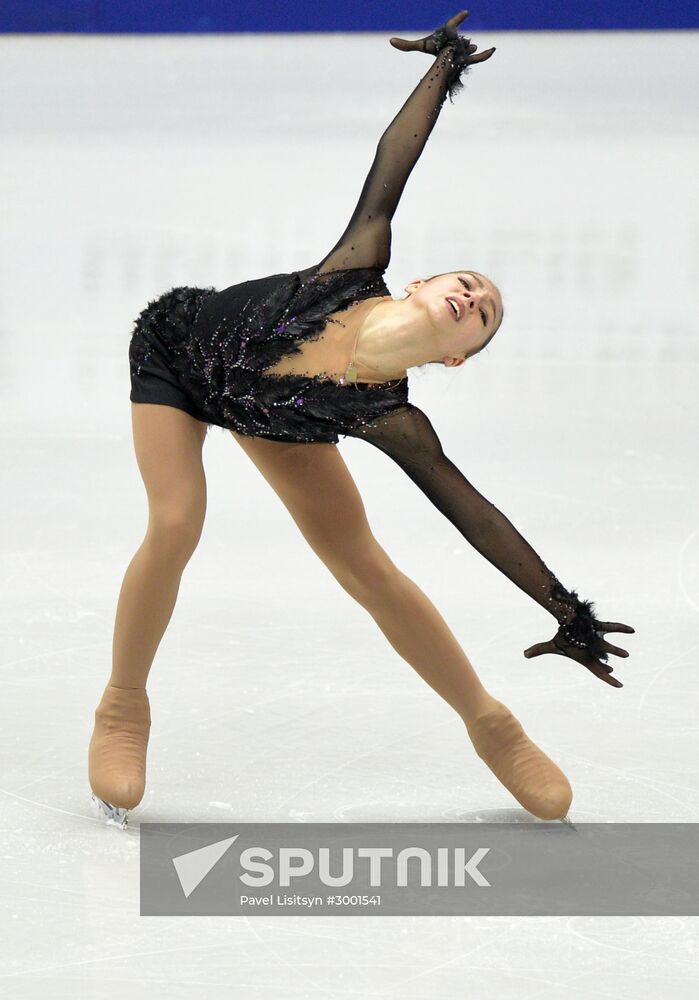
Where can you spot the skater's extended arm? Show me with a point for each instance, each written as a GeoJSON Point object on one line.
{"type": "Point", "coordinates": [366, 241]}
{"type": "Point", "coordinates": [407, 436]}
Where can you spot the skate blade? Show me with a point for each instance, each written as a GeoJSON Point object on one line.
{"type": "Point", "coordinates": [113, 815]}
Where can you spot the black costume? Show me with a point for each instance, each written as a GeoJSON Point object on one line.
{"type": "Point", "coordinates": [203, 351]}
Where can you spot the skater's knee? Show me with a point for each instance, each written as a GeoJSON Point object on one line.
{"type": "Point", "coordinates": [176, 528]}
{"type": "Point", "coordinates": [367, 573]}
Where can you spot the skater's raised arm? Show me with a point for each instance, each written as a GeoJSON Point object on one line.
{"type": "Point", "coordinates": [366, 242]}
{"type": "Point", "coordinates": [407, 436]}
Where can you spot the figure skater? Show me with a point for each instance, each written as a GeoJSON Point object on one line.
{"type": "Point", "coordinates": [287, 363]}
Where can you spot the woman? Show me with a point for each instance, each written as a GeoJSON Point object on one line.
{"type": "Point", "coordinates": [287, 363]}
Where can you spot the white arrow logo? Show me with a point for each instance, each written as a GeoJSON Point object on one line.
{"type": "Point", "coordinates": [194, 866]}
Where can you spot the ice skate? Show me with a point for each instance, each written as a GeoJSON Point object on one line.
{"type": "Point", "coordinates": [117, 752]}
{"type": "Point", "coordinates": [536, 782]}
{"type": "Point", "coordinates": [109, 813]}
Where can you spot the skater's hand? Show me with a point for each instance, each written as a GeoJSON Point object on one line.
{"type": "Point", "coordinates": [562, 647]}
{"type": "Point", "coordinates": [431, 43]}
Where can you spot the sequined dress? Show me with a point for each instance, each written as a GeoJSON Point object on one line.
{"type": "Point", "coordinates": [205, 351]}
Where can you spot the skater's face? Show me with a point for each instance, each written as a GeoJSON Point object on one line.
{"type": "Point", "coordinates": [466, 326]}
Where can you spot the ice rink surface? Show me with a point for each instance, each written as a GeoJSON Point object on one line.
{"type": "Point", "coordinates": [566, 171]}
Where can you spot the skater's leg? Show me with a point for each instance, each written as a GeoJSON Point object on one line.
{"type": "Point", "coordinates": [317, 489]}
{"type": "Point", "coordinates": [168, 444]}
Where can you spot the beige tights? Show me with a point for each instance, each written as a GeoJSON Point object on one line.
{"type": "Point", "coordinates": [146, 602]}
{"type": "Point", "coordinates": [118, 746]}
{"type": "Point", "coordinates": [405, 615]}
{"type": "Point", "coordinates": [417, 631]}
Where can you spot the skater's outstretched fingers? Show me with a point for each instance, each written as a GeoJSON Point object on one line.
{"type": "Point", "coordinates": [617, 650]}
{"type": "Point", "coordinates": [541, 647]}
{"type": "Point", "coordinates": [591, 663]}
{"type": "Point", "coordinates": [599, 669]}
{"type": "Point", "coordinates": [444, 35]}
{"type": "Point", "coordinates": [482, 56]}
{"type": "Point", "coordinates": [427, 44]}
{"type": "Point", "coordinates": [614, 627]}
{"type": "Point", "coordinates": [456, 20]}
{"type": "Point", "coordinates": [561, 645]}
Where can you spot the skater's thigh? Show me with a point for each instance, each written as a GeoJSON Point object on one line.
{"type": "Point", "coordinates": [317, 488]}
{"type": "Point", "coordinates": [168, 444]}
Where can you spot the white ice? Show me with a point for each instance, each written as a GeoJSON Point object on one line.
{"type": "Point", "coordinates": [566, 171]}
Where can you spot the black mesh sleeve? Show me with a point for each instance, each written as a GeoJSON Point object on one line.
{"type": "Point", "coordinates": [407, 436]}
{"type": "Point", "coordinates": [366, 242]}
